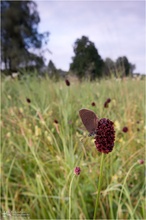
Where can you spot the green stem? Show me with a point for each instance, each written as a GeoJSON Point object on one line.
{"type": "Point", "coordinates": [70, 187]}
{"type": "Point", "coordinates": [99, 185]}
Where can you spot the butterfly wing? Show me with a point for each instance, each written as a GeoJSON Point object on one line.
{"type": "Point", "coordinates": [89, 119]}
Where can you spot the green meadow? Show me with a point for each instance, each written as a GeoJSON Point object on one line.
{"type": "Point", "coordinates": [43, 140]}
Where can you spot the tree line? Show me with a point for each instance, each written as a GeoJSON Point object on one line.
{"type": "Point", "coordinates": [20, 38]}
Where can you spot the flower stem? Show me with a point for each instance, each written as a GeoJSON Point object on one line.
{"type": "Point", "coordinates": [99, 185]}
{"type": "Point", "coordinates": [123, 185]}
{"type": "Point", "coordinates": [70, 187]}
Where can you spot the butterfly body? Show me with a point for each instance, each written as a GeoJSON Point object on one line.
{"type": "Point", "coordinates": [93, 133]}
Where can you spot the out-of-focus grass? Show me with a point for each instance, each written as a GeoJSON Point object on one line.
{"type": "Point", "coordinates": [39, 155]}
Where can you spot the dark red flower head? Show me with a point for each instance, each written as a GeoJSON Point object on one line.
{"type": "Point", "coordinates": [67, 82]}
{"type": "Point", "coordinates": [105, 105]}
{"type": "Point", "coordinates": [105, 136]}
{"type": "Point", "coordinates": [107, 102]}
{"type": "Point", "coordinates": [28, 100]}
{"type": "Point", "coordinates": [141, 161]}
{"type": "Point", "coordinates": [77, 170]}
{"type": "Point", "coordinates": [93, 104]}
{"type": "Point", "coordinates": [55, 121]}
{"type": "Point", "coordinates": [125, 129]}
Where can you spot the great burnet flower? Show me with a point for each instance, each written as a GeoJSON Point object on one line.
{"type": "Point", "coordinates": [55, 121]}
{"type": "Point", "coordinates": [67, 82]}
{"type": "Point", "coordinates": [105, 105]}
{"type": "Point", "coordinates": [77, 170]}
{"type": "Point", "coordinates": [141, 161]}
{"type": "Point", "coordinates": [107, 102]}
{"type": "Point", "coordinates": [28, 100]}
{"type": "Point", "coordinates": [125, 129]}
{"type": "Point", "coordinates": [93, 104]}
{"type": "Point", "coordinates": [105, 136]}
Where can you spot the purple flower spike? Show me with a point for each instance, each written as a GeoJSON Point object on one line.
{"type": "Point", "coordinates": [77, 171]}
{"type": "Point", "coordinates": [105, 136]}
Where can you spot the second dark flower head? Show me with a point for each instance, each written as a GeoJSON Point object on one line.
{"type": "Point", "coordinates": [67, 82]}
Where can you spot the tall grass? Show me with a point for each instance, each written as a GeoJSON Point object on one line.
{"type": "Point", "coordinates": [39, 155]}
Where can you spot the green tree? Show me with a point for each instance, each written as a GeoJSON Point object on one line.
{"type": "Point", "coordinates": [86, 62]}
{"type": "Point", "coordinates": [19, 35]}
{"type": "Point", "coordinates": [109, 67]}
{"type": "Point", "coordinates": [124, 67]}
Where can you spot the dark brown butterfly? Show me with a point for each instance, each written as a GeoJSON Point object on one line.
{"type": "Point", "coordinates": [89, 120]}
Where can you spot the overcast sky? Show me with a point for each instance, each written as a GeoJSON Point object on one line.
{"type": "Point", "coordinates": [117, 28]}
